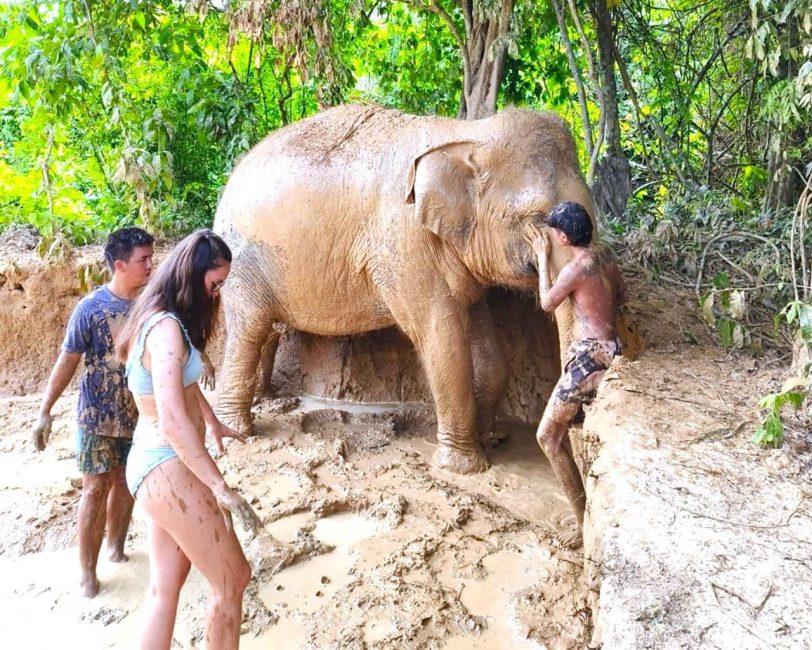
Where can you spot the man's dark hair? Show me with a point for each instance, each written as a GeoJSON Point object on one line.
{"type": "Point", "coordinates": [573, 220]}
{"type": "Point", "coordinates": [121, 243]}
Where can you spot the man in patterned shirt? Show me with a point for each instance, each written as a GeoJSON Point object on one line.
{"type": "Point", "coordinates": [592, 282]}
{"type": "Point", "coordinates": [106, 412]}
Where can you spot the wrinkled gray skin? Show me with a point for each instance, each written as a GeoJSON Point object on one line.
{"type": "Point", "coordinates": [361, 217]}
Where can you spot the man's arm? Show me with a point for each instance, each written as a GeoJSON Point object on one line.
{"type": "Point", "coordinates": [551, 294]}
{"type": "Point", "coordinates": [564, 285]}
{"type": "Point", "coordinates": [60, 377]}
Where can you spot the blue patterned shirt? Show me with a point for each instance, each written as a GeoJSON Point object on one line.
{"type": "Point", "coordinates": [106, 406]}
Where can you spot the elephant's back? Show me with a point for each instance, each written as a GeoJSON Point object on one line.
{"type": "Point", "coordinates": [327, 166]}
{"type": "Point", "coordinates": [342, 133]}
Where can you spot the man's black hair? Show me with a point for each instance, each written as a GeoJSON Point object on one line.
{"type": "Point", "coordinates": [121, 243]}
{"type": "Point", "coordinates": [573, 220]}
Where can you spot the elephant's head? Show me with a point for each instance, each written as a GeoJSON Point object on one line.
{"type": "Point", "coordinates": [478, 193]}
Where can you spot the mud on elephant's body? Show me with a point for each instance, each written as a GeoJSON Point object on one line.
{"type": "Point", "coordinates": [362, 217]}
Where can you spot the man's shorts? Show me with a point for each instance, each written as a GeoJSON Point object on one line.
{"type": "Point", "coordinates": [100, 454]}
{"type": "Point", "coordinates": [588, 359]}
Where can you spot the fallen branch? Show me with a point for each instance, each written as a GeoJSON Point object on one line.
{"type": "Point", "coordinates": [722, 433]}
{"type": "Point", "coordinates": [678, 399]}
{"type": "Point", "coordinates": [736, 234]}
{"type": "Point", "coordinates": [756, 608]}
{"type": "Point", "coordinates": [751, 526]}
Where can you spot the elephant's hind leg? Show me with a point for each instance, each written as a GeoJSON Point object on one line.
{"type": "Point", "coordinates": [267, 358]}
{"type": "Point", "coordinates": [491, 372]}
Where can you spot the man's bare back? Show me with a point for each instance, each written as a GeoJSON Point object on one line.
{"type": "Point", "coordinates": [597, 290]}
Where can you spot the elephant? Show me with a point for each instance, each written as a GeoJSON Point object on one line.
{"type": "Point", "coordinates": [362, 217]}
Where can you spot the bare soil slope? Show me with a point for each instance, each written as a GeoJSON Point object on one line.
{"type": "Point", "coordinates": [697, 538]}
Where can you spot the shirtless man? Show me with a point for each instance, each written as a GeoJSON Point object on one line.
{"type": "Point", "coordinates": [593, 282]}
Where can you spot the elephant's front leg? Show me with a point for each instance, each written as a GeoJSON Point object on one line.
{"type": "Point", "coordinates": [491, 371]}
{"type": "Point", "coordinates": [246, 333]}
{"type": "Point", "coordinates": [446, 355]}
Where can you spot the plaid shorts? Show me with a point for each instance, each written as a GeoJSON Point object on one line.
{"type": "Point", "coordinates": [100, 454]}
{"type": "Point", "coordinates": [588, 360]}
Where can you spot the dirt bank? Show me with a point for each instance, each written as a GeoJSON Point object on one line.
{"type": "Point", "coordinates": [696, 537]}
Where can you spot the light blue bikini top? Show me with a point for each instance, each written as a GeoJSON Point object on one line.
{"type": "Point", "coordinates": [139, 379]}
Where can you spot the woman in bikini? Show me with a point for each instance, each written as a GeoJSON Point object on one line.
{"type": "Point", "coordinates": [169, 471]}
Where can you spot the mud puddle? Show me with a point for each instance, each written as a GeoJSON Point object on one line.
{"type": "Point", "coordinates": [366, 545]}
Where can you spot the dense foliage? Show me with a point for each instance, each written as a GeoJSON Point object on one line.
{"type": "Point", "coordinates": [113, 112]}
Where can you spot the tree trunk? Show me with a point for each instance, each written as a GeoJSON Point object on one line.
{"type": "Point", "coordinates": [612, 186]}
{"type": "Point", "coordinates": [784, 184]}
{"type": "Point", "coordinates": [483, 48]}
{"type": "Point", "coordinates": [486, 46]}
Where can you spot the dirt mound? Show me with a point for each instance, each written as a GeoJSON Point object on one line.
{"type": "Point", "coordinates": [696, 537]}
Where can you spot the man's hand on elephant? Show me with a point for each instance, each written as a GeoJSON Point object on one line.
{"type": "Point", "coordinates": [231, 505]}
{"type": "Point", "coordinates": [42, 431]}
{"type": "Point", "coordinates": [207, 378]}
{"type": "Point", "coordinates": [219, 431]}
{"type": "Point", "coordinates": [538, 239]}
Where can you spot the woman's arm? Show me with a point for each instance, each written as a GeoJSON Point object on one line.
{"type": "Point", "coordinates": [167, 350]}
{"type": "Point", "coordinates": [217, 429]}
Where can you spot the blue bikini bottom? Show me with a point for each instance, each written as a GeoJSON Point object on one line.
{"type": "Point", "coordinates": [142, 460]}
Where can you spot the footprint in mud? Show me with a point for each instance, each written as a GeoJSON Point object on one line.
{"type": "Point", "coordinates": [307, 585]}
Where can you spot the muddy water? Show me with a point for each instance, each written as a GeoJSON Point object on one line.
{"type": "Point", "coordinates": [304, 588]}
{"type": "Point", "coordinates": [308, 403]}
{"type": "Point", "coordinates": [508, 572]}
{"type": "Point", "coordinates": [403, 556]}
{"type": "Point", "coordinates": [520, 480]}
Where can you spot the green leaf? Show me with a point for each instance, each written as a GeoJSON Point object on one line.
{"type": "Point", "coordinates": [770, 433]}
{"type": "Point", "coordinates": [792, 311]}
{"type": "Point", "coordinates": [725, 328]}
{"type": "Point", "coordinates": [805, 320]}
{"type": "Point", "coordinates": [140, 20]}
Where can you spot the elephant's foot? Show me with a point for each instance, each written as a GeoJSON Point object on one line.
{"type": "Point", "coordinates": [453, 460]}
{"type": "Point", "coordinates": [240, 422]}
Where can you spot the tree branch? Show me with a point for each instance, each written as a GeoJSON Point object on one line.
{"type": "Point", "coordinates": [576, 75]}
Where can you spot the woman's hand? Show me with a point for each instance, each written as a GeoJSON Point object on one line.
{"type": "Point", "coordinates": [218, 431]}
{"type": "Point", "coordinates": [231, 503]}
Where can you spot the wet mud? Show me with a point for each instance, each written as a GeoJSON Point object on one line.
{"type": "Point", "coordinates": [365, 545]}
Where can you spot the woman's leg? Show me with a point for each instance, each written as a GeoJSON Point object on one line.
{"type": "Point", "coordinates": [179, 503]}
{"type": "Point", "coordinates": [168, 569]}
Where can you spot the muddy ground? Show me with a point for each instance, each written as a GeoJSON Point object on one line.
{"type": "Point", "coordinates": [695, 537]}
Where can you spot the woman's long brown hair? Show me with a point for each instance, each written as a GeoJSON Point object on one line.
{"type": "Point", "coordinates": [178, 286]}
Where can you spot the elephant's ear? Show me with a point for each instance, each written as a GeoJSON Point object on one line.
{"type": "Point", "coordinates": [442, 187]}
